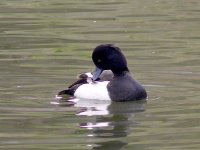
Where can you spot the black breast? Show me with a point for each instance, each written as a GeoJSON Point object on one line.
{"type": "Point", "coordinates": [125, 88]}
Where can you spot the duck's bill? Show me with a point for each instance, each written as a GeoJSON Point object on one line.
{"type": "Point", "coordinates": [97, 73]}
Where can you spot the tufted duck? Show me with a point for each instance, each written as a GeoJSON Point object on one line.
{"type": "Point", "coordinates": [117, 86]}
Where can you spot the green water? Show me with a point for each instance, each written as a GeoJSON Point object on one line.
{"type": "Point", "coordinates": [45, 44]}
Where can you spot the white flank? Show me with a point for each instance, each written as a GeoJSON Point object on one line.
{"type": "Point", "coordinates": [96, 90]}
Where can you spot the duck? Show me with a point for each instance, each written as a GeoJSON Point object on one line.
{"type": "Point", "coordinates": [111, 79]}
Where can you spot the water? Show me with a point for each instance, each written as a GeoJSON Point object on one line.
{"type": "Point", "coordinates": [45, 44]}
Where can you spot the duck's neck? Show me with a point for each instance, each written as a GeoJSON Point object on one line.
{"type": "Point", "coordinates": [120, 72]}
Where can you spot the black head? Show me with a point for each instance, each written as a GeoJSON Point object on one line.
{"type": "Point", "coordinates": [109, 57]}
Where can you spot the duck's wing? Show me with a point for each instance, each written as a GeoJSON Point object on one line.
{"type": "Point", "coordinates": [106, 75]}
{"type": "Point", "coordinates": [79, 81]}
{"type": "Point", "coordinates": [70, 90]}
{"type": "Point", "coordinates": [82, 79]}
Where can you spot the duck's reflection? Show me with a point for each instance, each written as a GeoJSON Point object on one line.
{"type": "Point", "coordinates": [107, 123]}
{"type": "Point", "coordinates": [111, 120]}
{"type": "Point", "coordinates": [92, 107]}
{"type": "Point", "coordinates": [110, 145]}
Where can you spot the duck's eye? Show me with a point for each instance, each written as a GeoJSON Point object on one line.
{"type": "Point", "coordinates": [99, 60]}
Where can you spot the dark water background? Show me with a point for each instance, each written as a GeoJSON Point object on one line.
{"type": "Point", "coordinates": [45, 44]}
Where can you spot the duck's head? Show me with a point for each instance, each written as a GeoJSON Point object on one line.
{"type": "Point", "coordinates": [108, 57]}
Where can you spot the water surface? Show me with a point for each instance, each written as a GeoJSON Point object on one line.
{"type": "Point", "coordinates": [45, 44]}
